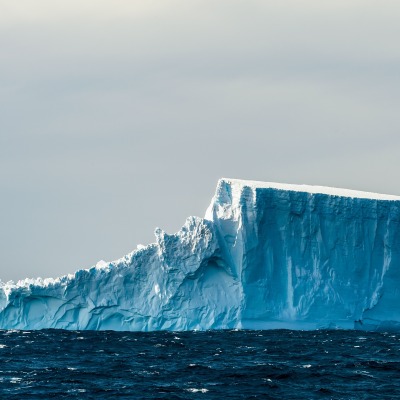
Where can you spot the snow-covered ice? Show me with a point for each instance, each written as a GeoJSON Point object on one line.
{"type": "Point", "coordinates": [266, 255]}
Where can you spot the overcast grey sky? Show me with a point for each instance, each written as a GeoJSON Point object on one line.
{"type": "Point", "coordinates": [119, 116]}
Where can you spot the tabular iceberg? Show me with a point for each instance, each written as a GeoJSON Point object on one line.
{"type": "Point", "coordinates": [265, 256]}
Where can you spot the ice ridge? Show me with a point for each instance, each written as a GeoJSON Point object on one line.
{"type": "Point", "coordinates": [266, 255]}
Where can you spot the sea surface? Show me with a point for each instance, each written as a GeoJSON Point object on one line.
{"type": "Point", "coordinates": [275, 364]}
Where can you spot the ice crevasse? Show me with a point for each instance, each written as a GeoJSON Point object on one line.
{"type": "Point", "coordinates": [265, 255]}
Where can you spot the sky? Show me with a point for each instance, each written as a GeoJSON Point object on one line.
{"type": "Point", "coordinates": [117, 117]}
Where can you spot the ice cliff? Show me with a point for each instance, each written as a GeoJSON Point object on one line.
{"type": "Point", "coordinates": [266, 255]}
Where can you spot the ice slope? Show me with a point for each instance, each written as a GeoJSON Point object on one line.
{"type": "Point", "coordinates": [266, 255]}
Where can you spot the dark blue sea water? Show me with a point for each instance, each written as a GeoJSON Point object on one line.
{"type": "Point", "coordinates": [278, 364]}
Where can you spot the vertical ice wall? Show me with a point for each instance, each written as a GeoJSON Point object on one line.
{"type": "Point", "coordinates": [317, 256]}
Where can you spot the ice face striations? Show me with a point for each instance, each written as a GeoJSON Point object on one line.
{"type": "Point", "coordinates": [265, 256]}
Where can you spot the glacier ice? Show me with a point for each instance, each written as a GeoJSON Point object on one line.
{"type": "Point", "coordinates": [265, 256]}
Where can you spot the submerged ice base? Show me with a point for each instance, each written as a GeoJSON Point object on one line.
{"type": "Point", "coordinates": [265, 256]}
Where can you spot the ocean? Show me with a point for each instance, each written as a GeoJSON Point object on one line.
{"type": "Point", "coordinates": [274, 364]}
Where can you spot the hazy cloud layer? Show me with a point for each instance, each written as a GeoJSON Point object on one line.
{"type": "Point", "coordinates": [117, 117]}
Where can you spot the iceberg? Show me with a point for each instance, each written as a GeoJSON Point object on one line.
{"type": "Point", "coordinates": [265, 256]}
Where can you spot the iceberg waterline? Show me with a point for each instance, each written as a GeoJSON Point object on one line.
{"type": "Point", "coordinates": [265, 256]}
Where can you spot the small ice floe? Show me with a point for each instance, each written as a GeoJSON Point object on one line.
{"type": "Point", "coordinates": [194, 390]}
{"type": "Point", "coordinates": [3, 346]}
{"type": "Point", "coordinates": [306, 366]}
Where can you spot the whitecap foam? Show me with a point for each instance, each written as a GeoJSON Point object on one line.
{"type": "Point", "coordinates": [194, 390]}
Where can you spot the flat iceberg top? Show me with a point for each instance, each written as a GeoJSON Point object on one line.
{"type": "Point", "coordinates": [310, 189]}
